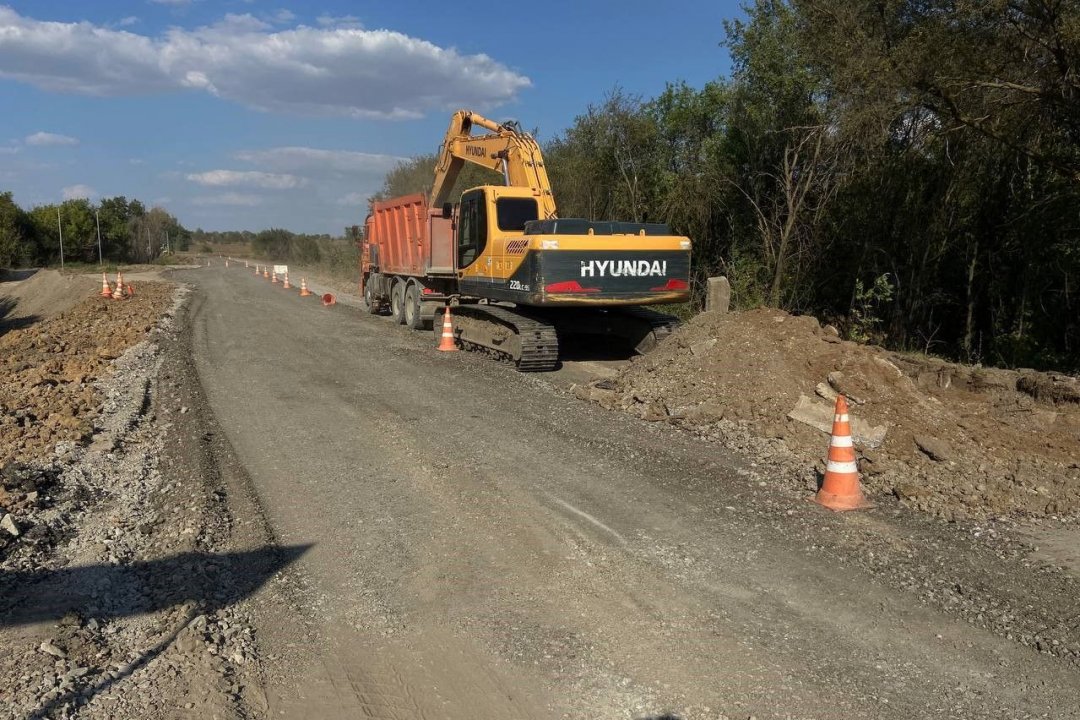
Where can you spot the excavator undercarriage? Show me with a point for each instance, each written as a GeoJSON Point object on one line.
{"type": "Point", "coordinates": [530, 337]}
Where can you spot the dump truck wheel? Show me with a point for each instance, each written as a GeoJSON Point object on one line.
{"type": "Point", "coordinates": [413, 318]}
{"type": "Point", "coordinates": [397, 302]}
{"type": "Point", "coordinates": [369, 299]}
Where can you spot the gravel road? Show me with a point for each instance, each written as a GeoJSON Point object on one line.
{"type": "Point", "coordinates": [484, 545]}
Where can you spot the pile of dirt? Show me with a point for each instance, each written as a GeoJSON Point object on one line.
{"type": "Point", "coordinates": [48, 368]}
{"type": "Point", "coordinates": [954, 440]}
{"type": "Point", "coordinates": [30, 295]}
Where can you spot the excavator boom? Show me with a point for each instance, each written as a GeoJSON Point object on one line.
{"type": "Point", "coordinates": [505, 148]}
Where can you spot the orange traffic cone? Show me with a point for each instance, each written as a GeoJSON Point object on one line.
{"type": "Point", "coordinates": [266, 272]}
{"type": "Point", "coordinates": [257, 273]}
{"type": "Point", "coordinates": [446, 342]}
{"type": "Point", "coordinates": [106, 292]}
{"type": "Point", "coordinates": [286, 285]}
{"type": "Point", "coordinates": [273, 278]}
{"type": "Point", "coordinates": [304, 292]}
{"type": "Point", "coordinates": [840, 490]}
{"type": "Point", "coordinates": [245, 263]}
{"type": "Point", "coordinates": [131, 290]}
{"type": "Point", "coordinates": [226, 262]}
{"type": "Point", "coordinates": [118, 291]}
{"type": "Point", "coordinates": [328, 299]}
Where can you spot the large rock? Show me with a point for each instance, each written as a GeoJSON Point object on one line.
{"type": "Point", "coordinates": [707, 412]}
{"type": "Point", "coordinates": [935, 448]}
{"type": "Point", "coordinates": [7, 524]}
{"type": "Point", "coordinates": [820, 416]}
{"type": "Point", "coordinates": [49, 649]}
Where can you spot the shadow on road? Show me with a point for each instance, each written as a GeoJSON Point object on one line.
{"type": "Point", "coordinates": [205, 581]}
{"type": "Point", "coordinates": [106, 592]}
{"type": "Point", "coordinates": [7, 307]}
{"type": "Point", "coordinates": [583, 347]}
{"type": "Point", "coordinates": [16, 275]}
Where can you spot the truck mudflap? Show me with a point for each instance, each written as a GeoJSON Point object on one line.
{"type": "Point", "coordinates": [592, 277]}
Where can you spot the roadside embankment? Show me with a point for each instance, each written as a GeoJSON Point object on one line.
{"type": "Point", "coordinates": [953, 440]}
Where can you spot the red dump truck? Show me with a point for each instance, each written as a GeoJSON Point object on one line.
{"type": "Point", "coordinates": [407, 259]}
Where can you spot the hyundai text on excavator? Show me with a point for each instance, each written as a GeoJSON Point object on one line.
{"type": "Point", "coordinates": [520, 277]}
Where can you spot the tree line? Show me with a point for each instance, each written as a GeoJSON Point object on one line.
{"type": "Point", "coordinates": [906, 169]}
{"type": "Point", "coordinates": [129, 232]}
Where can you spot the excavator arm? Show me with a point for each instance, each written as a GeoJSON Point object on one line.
{"type": "Point", "coordinates": [504, 148]}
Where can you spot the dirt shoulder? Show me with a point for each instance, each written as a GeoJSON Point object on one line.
{"type": "Point", "coordinates": [123, 593]}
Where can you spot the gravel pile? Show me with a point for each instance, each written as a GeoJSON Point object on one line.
{"type": "Point", "coordinates": [48, 370]}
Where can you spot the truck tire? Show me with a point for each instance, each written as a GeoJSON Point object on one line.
{"type": "Point", "coordinates": [369, 299]}
{"type": "Point", "coordinates": [413, 317]}
{"type": "Point", "coordinates": [397, 302]}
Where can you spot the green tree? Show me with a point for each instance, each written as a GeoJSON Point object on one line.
{"type": "Point", "coordinates": [80, 230]}
{"type": "Point", "coordinates": [15, 233]}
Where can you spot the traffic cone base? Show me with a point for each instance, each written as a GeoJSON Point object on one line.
{"type": "Point", "coordinates": [446, 341]}
{"type": "Point", "coordinates": [840, 489]}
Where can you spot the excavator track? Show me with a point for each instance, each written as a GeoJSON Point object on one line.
{"type": "Point", "coordinates": [529, 342]}
{"type": "Point", "coordinates": [638, 328]}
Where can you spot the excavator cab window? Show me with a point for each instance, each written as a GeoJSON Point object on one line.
{"type": "Point", "coordinates": [472, 228]}
{"type": "Point", "coordinates": [512, 213]}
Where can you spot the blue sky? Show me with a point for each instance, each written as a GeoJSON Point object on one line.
{"type": "Point", "coordinates": [246, 114]}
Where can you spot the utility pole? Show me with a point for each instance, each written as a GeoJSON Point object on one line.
{"type": "Point", "coordinates": [97, 219]}
{"type": "Point", "coordinates": [168, 250]}
{"type": "Point", "coordinates": [61, 228]}
{"type": "Point", "coordinates": [148, 257]}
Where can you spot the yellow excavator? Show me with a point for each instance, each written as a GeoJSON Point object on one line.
{"type": "Point", "coordinates": [520, 276]}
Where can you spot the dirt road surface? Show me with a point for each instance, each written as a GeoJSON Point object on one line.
{"type": "Point", "coordinates": [484, 545]}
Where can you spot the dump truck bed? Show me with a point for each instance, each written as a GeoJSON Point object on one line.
{"type": "Point", "coordinates": [404, 237]}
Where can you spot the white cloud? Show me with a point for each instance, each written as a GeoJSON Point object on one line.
{"type": "Point", "coordinates": [317, 160]}
{"type": "Point", "coordinates": [8, 149]}
{"type": "Point", "coordinates": [238, 199]}
{"type": "Point", "coordinates": [45, 138]}
{"type": "Point", "coordinates": [332, 70]}
{"type": "Point", "coordinates": [250, 178]}
{"type": "Point", "coordinates": [354, 199]}
{"type": "Point", "coordinates": [127, 21]}
{"type": "Point", "coordinates": [283, 16]}
{"type": "Point", "coordinates": [343, 21]}
{"type": "Point", "coordinates": [77, 192]}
